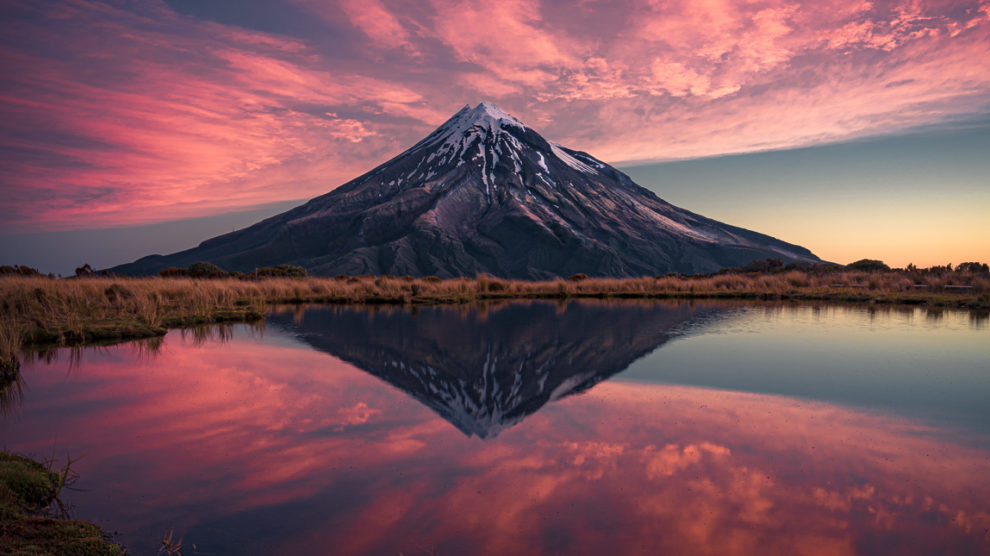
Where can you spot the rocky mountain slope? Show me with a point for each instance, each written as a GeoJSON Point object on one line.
{"type": "Point", "coordinates": [486, 193]}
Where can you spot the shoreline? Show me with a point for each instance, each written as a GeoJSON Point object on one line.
{"type": "Point", "coordinates": [30, 520]}
{"type": "Point", "coordinates": [38, 311]}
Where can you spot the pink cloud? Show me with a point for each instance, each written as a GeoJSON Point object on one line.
{"type": "Point", "coordinates": [119, 115]}
{"type": "Point", "coordinates": [376, 21]}
{"type": "Point", "coordinates": [181, 125]}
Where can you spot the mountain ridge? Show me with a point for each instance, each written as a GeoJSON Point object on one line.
{"type": "Point", "coordinates": [484, 193]}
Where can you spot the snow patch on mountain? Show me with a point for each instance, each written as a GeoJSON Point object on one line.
{"type": "Point", "coordinates": [570, 160]}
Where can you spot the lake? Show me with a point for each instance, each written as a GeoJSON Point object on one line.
{"type": "Point", "coordinates": [530, 427]}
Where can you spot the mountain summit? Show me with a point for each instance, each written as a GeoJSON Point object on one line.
{"type": "Point", "coordinates": [486, 193]}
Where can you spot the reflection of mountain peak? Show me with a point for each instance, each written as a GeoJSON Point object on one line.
{"type": "Point", "coordinates": [485, 371]}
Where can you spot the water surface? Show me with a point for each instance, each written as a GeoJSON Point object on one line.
{"type": "Point", "coordinates": [585, 428]}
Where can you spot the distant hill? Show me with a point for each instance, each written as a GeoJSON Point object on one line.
{"type": "Point", "coordinates": [484, 193]}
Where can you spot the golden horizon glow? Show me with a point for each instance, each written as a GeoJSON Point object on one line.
{"type": "Point", "coordinates": [120, 115]}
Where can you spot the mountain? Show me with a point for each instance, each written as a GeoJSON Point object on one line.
{"type": "Point", "coordinates": [485, 193]}
{"type": "Point", "coordinates": [484, 370]}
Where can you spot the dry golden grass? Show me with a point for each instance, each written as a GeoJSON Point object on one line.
{"type": "Point", "coordinates": [38, 310]}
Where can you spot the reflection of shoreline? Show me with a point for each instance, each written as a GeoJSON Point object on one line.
{"type": "Point", "coordinates": [267, 448]}
{"type": "Point", "coordinates": [485, 368]}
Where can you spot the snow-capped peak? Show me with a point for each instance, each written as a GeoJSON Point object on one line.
{"type": "Point", "coordinates": [485, 118]}
{"type": "Point", "coordinates": [487, 111]}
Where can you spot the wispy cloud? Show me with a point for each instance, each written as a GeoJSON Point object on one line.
{"type": "Point", "coordinates": [120, 114]}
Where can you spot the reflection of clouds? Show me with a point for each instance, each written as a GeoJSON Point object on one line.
{"type": "Point", "coordinates": [623, 468]}
{"type": "Point", "coordinates": [672, 458]}
{"type": "Point", "coordinates": [358, 414]}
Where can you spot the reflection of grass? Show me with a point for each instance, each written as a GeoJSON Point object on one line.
{"type": "Point", "coordinates": [27, 491]}
{"type": "Point", "coordinates": [11, 394]}
{"type": "Point", "coordinates": [38, 310]}
{"type": "Point", "coordinates": [10, 344]}
{"type": "Point", "coordinates": [170, 546]}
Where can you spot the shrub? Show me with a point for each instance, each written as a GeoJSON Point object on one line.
{"type": "Point", "coordinates": [18, 270]}
{"type": "Point", "coordinates": [767, 265]}
{"type": "Point", "coordinates": [85, 270]}
{"type": "Point", "coordinates": [868, 265]}
{"type": "Point", "coordinates": [206, 270]}
{"type": "Point", "coordinates": [281, 271]}
{"type": "Point", "coordinates": [975, 268]}
{"type": "Point", "coordinates": [172, 272]}
{"type": "Point", "coordinates": [496, 286]}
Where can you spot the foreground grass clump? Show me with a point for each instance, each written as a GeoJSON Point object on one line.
{"type": "Point", "coordinates": [27, 491]}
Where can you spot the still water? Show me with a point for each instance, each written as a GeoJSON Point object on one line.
{"type": "Point", "coordinates": [579, 428]}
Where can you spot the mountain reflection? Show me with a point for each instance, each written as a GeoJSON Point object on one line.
{"type": "Point", "coordinates": [485, 369]}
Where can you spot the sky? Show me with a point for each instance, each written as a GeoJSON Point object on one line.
{"type": "Point", "coordinates": [856, 129]}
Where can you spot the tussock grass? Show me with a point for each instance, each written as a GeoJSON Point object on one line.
{"type": "Point", "coordinates": [39, 310]}
{"type": "Point", "coordinates": [10, 343]}
{"type": "Point", "coordinates": [28, 491]}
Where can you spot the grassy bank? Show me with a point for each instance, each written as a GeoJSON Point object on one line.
{"type": "Point", "coordinates": [28, 491]}
{"type": "Point", "coordinates": [39, 310]}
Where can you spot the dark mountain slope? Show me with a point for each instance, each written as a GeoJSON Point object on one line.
{"type": "Point", "coordinates": [485, 193]}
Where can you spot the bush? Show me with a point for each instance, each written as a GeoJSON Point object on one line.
{"type": "Point", "coordinates": [85, 270]}
{"type": "Point", "coordinates": [280, 271]}
{"type": "Point", "coordinates": [764, 266]}
{"type": "Point", "coordinates": [868, 265]}
{"type": "Point", "coordinates": [18, 270]}
{"type": "Point", "coordinates": [975, 268]}
{"type": "Point", "coordinates": [172, 272]}
{"type": "Point", "coordinates": [206, 270]}
{"type": "Point", "coordinates": [496, 286]}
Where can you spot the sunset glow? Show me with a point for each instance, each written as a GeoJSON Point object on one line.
{"type": "Point", "coordinates": [157, 110]}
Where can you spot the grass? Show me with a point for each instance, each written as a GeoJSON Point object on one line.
{"type": "Point", "coordinates": [40, 311]}
{"type": "Point", "coordinates": [28, 491]}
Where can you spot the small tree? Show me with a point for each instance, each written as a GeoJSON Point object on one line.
{"type": "Point", "coordinates": [85, 270]}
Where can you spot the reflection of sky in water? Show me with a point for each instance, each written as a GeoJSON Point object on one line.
{"type": "Point", "coordinates": [262, 445]}
{"type": "Point", "coordinates": [915, 362]}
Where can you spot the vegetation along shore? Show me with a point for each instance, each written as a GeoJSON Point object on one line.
{"type": "Point", "coordinates": [32, 521]}
{"type": "Point", "coordinates": [39, 310]}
